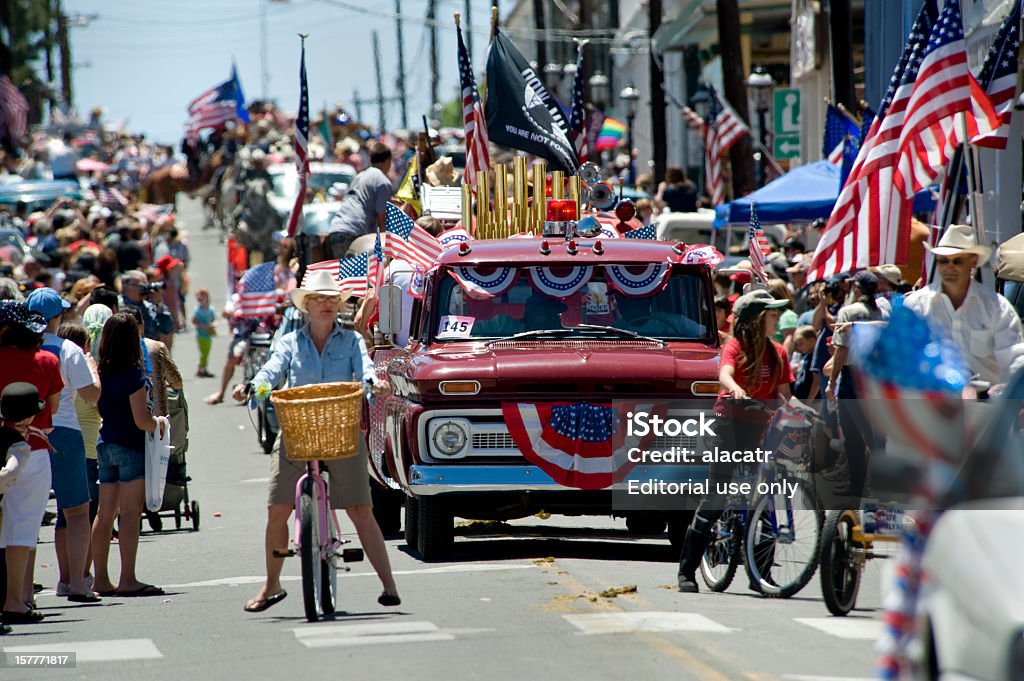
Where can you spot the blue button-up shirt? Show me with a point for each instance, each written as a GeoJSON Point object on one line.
{"type": "Point", "coordinates": [295, 356]}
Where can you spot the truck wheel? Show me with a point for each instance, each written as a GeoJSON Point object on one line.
{"type": "Point", "coordinates": [436, 531]}
{"type": "Point", "coordinates": [387, 508]}
{"type": "Point", "coordinates": [412, 522]}
{"type": "Point", "coordinates": [644, 523]}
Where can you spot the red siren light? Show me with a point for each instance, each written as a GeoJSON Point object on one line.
{"type": "Point", "coordinates": [561, 210]}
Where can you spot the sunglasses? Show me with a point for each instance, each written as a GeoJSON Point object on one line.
{"type": "Point", "coordinates": [316, 298]}
{"type": "Point", "coordinates": [956, 262]}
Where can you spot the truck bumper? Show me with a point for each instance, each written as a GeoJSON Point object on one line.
{"type": "Point", "coordinates": [448, 479]}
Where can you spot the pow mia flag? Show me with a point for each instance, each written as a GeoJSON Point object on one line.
{"type": "Point", "coordinates": [521, 114]}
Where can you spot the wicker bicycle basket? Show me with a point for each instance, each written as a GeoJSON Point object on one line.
{"type": "Point", "coordinates": [320, 421]}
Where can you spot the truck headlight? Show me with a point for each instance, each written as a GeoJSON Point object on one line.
{"type": "Point", "coordinates": [450, 437]}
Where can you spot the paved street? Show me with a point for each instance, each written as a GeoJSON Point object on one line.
{"type": "Point", "coordinates": [516, 601]}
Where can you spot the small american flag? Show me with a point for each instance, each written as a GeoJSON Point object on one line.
{"type": "Point", "coordinates": [331, 266]}
{"type": "Point", "coordinates": [301, 144]}
{"type": "Point", "coordinates": [758, 245]}
{"type": "Point", "coordinates": [724, 128]}
{"type": "Point", "coordinates": [413, 243]}
{"type": "Point", "coordinates": [645, 232]}
{"type": "Point", "coordinates": [376, 267]}
{"type": "Point", "coordinates": [578, 113]}
{"type": "Point", "coordinates": [352, 274]}
{"type": "Point", "coordinates": [151, 212]}
{"type": "Point", "coordinates": [257, 292]}
{"type": "Point", "coordinates": [998, 77]}
{"type": "Point", "coordinates": [13, 111]}
{"type": "Point", "coordinates": [111, 196]}
{"type": "Point", "coordinates": [477, 156]}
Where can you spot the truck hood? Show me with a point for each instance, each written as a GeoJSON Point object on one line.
{"type": "Point", "coordinates": [557, 369]}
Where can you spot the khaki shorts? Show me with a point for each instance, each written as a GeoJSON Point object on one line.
{"type": "Point", "coordinates": [349, 483]}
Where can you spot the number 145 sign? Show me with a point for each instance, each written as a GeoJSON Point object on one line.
{"type": "Point", "coordinates": [454, 326]}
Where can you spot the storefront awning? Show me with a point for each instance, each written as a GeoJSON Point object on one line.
{"type": "Point", "coordinates": [691, 25]}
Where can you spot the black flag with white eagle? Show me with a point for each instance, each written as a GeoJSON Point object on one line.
{"type": "Point", "coordinates": [521, 113]}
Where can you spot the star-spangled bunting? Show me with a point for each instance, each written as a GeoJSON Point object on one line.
{"type": "Point", "coordinates": [301, 144]}
{"type": "Point", "coordinates": [578, 114]}
{"type": "Point", "coordinates": [758, 246]}
{"type": "Point", "coordinates": [410, 242]}
{"type": "Point", "coordinates": [478, 157]}
{"type": "Point", "coordinates": [257, 292]}
{"type": "Point", "coordinates": [646, 232]}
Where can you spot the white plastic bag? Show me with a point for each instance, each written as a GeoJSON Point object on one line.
{"type": "Point", "coordinates": [158, 456]}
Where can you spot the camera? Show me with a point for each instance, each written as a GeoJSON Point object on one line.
{"type": "Point", "coordinates": [146, 289]}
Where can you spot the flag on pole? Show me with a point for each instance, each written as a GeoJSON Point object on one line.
{"type": "Point", "coordinates": [352, 274]}
{"type": "Point", "coordinates": [408, 241]}
{"type": "Point", "coordinates": [838, 129]}
{"type": "Point", "coordinates": [301, 144]}
{"type": "Point", "coordinates": [216, 106]}
{"type": "Point", "coordinates": [257, 292]}
{"type": "Point", "coordinates": [611, 132]}
{"type": "Point", "coordinates": [758, 246]}
{"type": "Point", "coordinates": [325, 133]}
{"type": "Point", "coordinates": [375, 273]}
{"type": "Point", "coordinates": [409, 189]}
{"type": "Point", "coordinates": [998, 78]}
{"type": "Point", "coordinates": [478, 157]}
{"type": "Point", "coordinates": [578, 114]}
{"type": "Point", "coordinates": [723, 129]}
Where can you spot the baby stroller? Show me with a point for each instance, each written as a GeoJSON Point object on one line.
{"type": "Point", "coordinates": [176, 500]}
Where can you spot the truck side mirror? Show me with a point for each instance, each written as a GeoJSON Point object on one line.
{"type": "Point", "coordinates": [389, 305]}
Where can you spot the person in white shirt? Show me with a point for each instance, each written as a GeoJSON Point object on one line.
{"type": "Point", "coordinates": [982, 323]}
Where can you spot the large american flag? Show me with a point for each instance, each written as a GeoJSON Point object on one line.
{"type": "Point", "coordinates": [578, 112]}
{"type": "Point", "coordinates": [216, 106]}
{"type": "Point", "coordinates": [722, 129]}
{"type": "Point", "coordinates": [855, 236]}
{"type": "Point", "coordinates": [410, 242]}
{"type": "Point", "coordinates": [257, 291]}
{"type": "Point", "coordinates": [758, 246]}
{"type": "Point", "coordinates": [478, 158]}
{"type": "Point", "coordinates": [301, 144]}
{"type": "Point", "coordinates": [13, 111]}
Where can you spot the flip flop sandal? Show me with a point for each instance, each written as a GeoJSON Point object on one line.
{"type": "Point", "coordinates": [145, 590]}
{"type": "Point", "coordinates": [90, 597]}
{"type": "Point", "coordinates": [30, 617]}
{"type": "Point", "coordinates": [390, 600]}
{"type": "Point", "coordinates": [261, 604]}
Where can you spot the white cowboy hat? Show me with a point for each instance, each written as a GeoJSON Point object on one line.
{"type": "Point", "coordinates": [319, 282]}
{"type": "Point", "coordinates": [441, 173]}
{"type": "Point", "coordinates": [959, 239]}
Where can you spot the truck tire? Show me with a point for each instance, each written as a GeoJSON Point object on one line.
{"type": "Point", "coordinates": [412, 522]}
{"type": "Point", "coordinates": [387, 508]}
{"type": "Point", "coordinates": [435, 531]}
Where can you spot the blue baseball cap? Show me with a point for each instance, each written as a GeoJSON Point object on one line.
{"type": "Point", "coordinates": [47, 302]}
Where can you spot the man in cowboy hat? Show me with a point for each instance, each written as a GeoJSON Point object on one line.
{"type": "Point", "coordinates": [982, 323]}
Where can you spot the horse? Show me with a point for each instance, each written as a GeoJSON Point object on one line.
{"type": "Point", "coordinates": [163, 184]}
{"type": "Point", "coordinates": [256, 219]}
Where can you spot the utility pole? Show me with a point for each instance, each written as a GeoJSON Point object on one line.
{"type": "Point", "coordinates": [434, 83]}
{"type": "Point", "coordinates": [65, 53]}
{"type": "Point", "coordinates": [608, 68]}
{"type": "Point", "coordinates": [840, 24]}
{"type": "Point", "coordinates": [658, 134]}
{"type": "Point", "coordinates": [264, 75]}
{"type": "Point", "coordinates": [380, 84]}
{"type": "Point", "coordinates": [48, 40]}
{"type": "Point", "coordinates": [401, 64]}
{"type": "Point", "coordinates": [469, 28]}
{"type": "Point", "coordinates": [542, 40]}
{"type": "Point", "coordinates": [587, 23]}
{"type": "Point", "coordinates": [358, 104]}
{"type": "Point", "coordinates": [740, 156]}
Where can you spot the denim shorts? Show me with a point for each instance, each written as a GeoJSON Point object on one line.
{"type": "Point", "coordinates": [120, 464]}
{"type": "Point", "coordinates": [92, 468]}
{"type": "Point", "coordinates": [67, 467]}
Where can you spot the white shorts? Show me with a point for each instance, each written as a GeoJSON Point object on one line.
{"type": "Point", "coordinates": [24, 504]}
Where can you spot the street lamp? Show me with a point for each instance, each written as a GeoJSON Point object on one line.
{"type": "Point", "coordinates": [598, 89]}
{"type": "Point", "coordinates": [631, 96]}
{"type": "Point", "coordinates": [760, 84]}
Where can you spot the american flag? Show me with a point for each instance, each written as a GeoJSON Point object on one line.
{"type": "Point", "coordinates": [998, 77]}
{"type": "Point", "coordinates": [838, 129]}
{"type": "Point", "coordinates": [257, 292]}
{"type": "Point", "coordinates": [13, 111]}
{"type": "Point", "coordinates": [151, 212]}
{"type": "Point", "coordinates": [646, 232]}
{"type": "Point", "coordinates": [758, 246]}
{"type": "Point", "coordinates": [578, 113]}
{"type": "Point", "coordinates": [855, 236]}
{"type": "Point", "coordinates": [412, 243]}
{"type": "Point", "coordinates": [352, 274]}
{"type": "Point", "coordinates": [477, 156]}
{"type": "Point", "coordinates": [216, 106]}
{"type": "Point", "coordinates": [111, 196]}
{"type": "Point", "coordinates": [375, 273]}
{"type": "Point", "coordinates": [723, 129]}
{"type": "Point", "coordinates": [331, 266]}
{"type": "Point", "coordinates": [301, 144]}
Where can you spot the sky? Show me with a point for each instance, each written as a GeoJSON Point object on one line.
{"type": "Point", "coordinates": [143, 61]}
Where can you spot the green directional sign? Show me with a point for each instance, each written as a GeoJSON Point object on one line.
{"type": "Point", "coordinates": [786, 115]}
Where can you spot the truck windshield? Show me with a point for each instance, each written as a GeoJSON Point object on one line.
{"type": "Point", "coordinates": [678, 311]}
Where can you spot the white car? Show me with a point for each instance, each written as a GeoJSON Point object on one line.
{"type": "Point", "coordinates": [332, 180]}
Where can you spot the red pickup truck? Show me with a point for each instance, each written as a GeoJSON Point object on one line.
{"type": "Point", "coordinates": [510, 340]}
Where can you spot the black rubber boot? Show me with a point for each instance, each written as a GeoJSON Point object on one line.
{"type": "Point", "coordinates": [689, 561]}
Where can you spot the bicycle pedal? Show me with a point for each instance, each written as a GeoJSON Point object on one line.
{"type": "Point", "coordinates": [352, 555]}
{"type": "Point", "coordinates": [284, 553]}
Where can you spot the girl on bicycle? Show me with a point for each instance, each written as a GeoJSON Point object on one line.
{"type": "Point", "coordinates": [320, 352]}
{"type": "Point", "coordinates": [753, 366]}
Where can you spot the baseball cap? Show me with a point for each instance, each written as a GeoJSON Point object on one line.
{"type": "Point", "coordinates": [749, 305]}
{"type": "Point", "coordinates": [867, 281]}
{"type": "Point", "coordinates": [47, 302]}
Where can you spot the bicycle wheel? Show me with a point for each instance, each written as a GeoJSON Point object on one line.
{"type": "Point", "coordinates": [722, 556]}
{"type": "Point", "coordinates": [328, 566]}
{"type": "Point", "coordinates": [309, 550]}
{"type": "Point", "coordinates": [840, 571]}
{"type": "Point", "coordinates": [782, 542]}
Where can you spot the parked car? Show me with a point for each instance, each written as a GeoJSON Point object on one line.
{"type": "Point", "coordinates": [38, 194]}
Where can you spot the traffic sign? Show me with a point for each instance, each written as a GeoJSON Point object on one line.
{"type": "Point", "coordinates": [786, 146]}
{"type": "Point", "coordinates": [786, 113]}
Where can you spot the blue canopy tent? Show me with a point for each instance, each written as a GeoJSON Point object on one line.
{"type": "Point", "coordinates": [801, 195]}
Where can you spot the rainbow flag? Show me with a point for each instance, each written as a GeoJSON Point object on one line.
{"type": "Point", "coordinates": [611, 132]}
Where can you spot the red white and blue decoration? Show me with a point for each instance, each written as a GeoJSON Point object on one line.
{"type": "Point", "coordinates": [257, 292]}
{"type": "Point", "coordinates": [485, 282]}
{"type": "Point", "coordinates": [560, 282]}
{"type": "Point", "coordinates": [646, 232]}
{"type": "Point", "coordinates": [453, 237]}
{"type": "Point", "coordinates": [637, 281]}
{"type": "Point", "coordinates": [702, 254]}
{"type": "Point", "coordinates": [579, 445]}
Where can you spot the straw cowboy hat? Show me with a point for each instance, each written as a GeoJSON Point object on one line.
{"type": "Point", "coordinates": [319, 282]}
{"type": "Point", "coordinates": [960, 239]}
{"type": "Point", "coordinates": [441, 173]}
